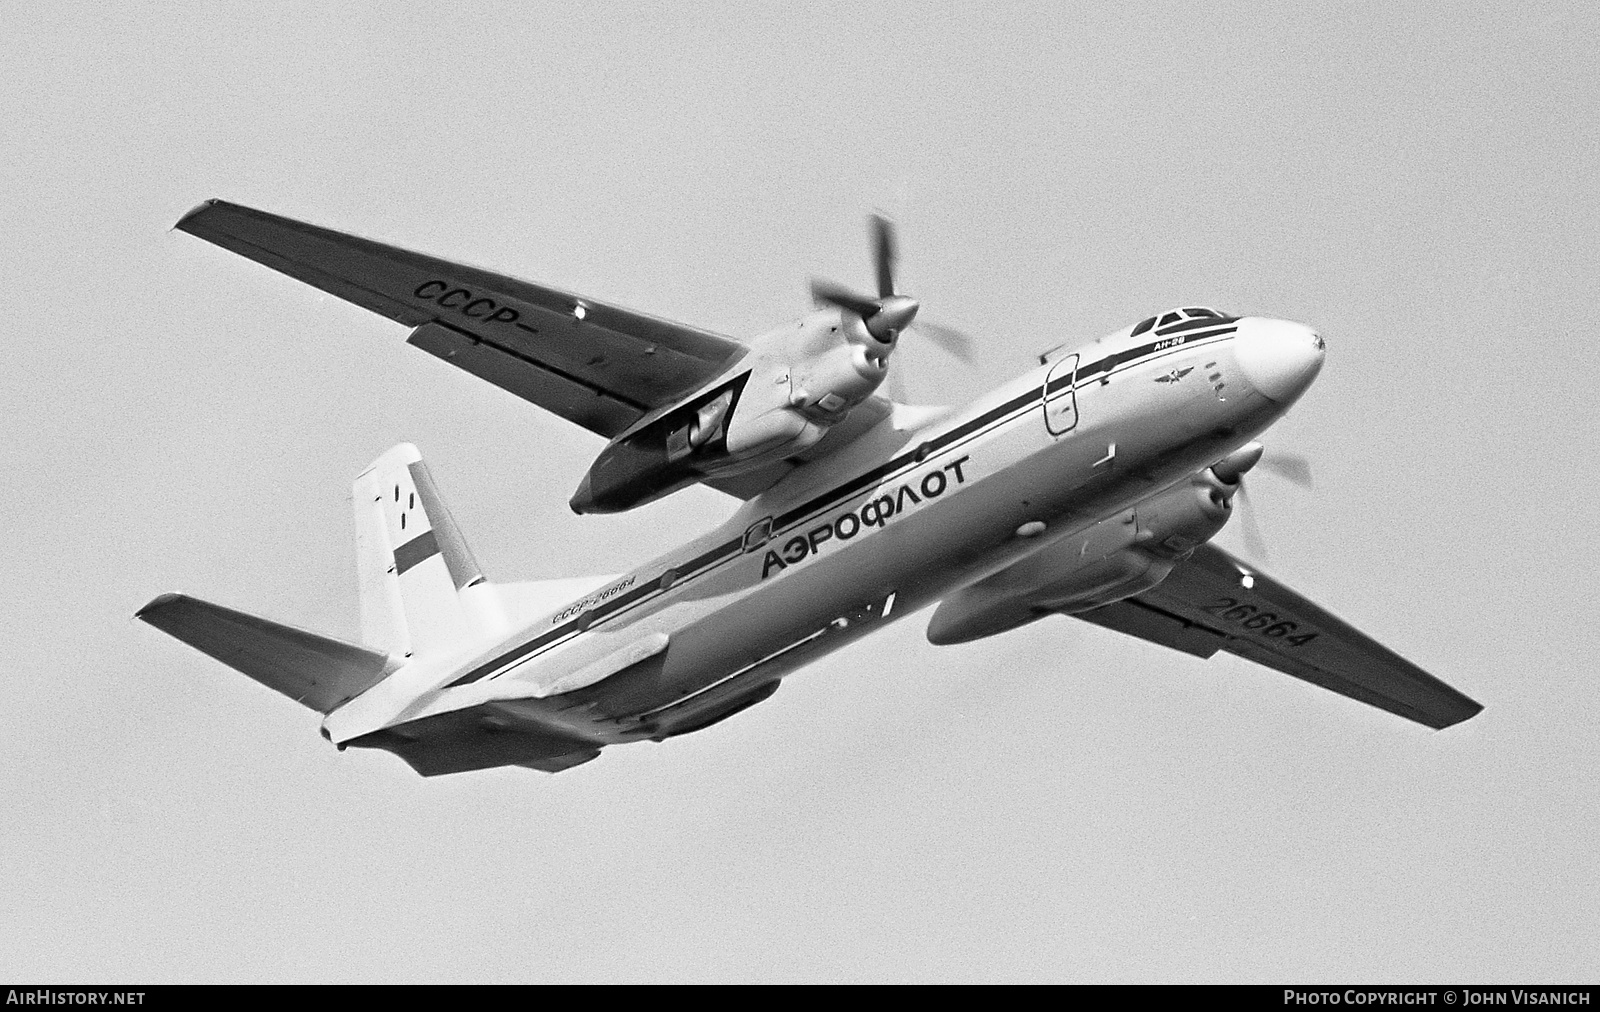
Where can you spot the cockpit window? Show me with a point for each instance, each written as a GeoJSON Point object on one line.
{"type": "Point", "coordinates": [1200, 311]}
{"type": "Point", "coordinates": [1143, 326]}
{"type": "Point", "coordinates": [1170, 318]}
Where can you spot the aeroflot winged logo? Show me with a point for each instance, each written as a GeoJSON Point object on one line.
{"type": "Point", "coordinates": [872, 513]}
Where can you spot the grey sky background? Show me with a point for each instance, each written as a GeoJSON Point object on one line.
{"type": "Point", "coordinates": [1058, 803]}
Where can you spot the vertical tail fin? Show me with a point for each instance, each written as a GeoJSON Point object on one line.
{"type": "Point", "coordinates": [421, 589]}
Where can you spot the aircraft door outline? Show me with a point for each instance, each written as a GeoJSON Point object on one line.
{"type": "Point", "coordinates": [1060, 396]}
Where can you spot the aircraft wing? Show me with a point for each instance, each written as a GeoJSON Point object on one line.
{"type": "Point", "coordinates": [599, 365]}
{"type": "Point", "coordinates": [1204, 606]}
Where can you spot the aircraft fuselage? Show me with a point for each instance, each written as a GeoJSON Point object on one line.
{"type": "Point", "coordinates": [921, 505]}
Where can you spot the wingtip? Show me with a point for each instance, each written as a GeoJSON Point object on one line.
{"type": "Point", "coordinates": [155, 603]}
{"type": "Point", "coordinates": [1462, 715]}
{"type": "Point", "coordinates": [194, 212]}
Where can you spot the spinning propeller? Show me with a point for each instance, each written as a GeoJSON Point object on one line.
{"type": "Point", "coordinates": [1230, 470]}
{"type": "Point", "coordinates": [887, 316]}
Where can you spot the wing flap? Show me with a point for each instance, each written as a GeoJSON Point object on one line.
{"type": "Point", "coordinates": [629, 358]}
{"type": "Point", "coordinates": [1137, 619]}
{"type": "Point", "coordinates": [317, 671]}
{"type": "Point", "coordinates": [1205, 606]}
{"type": "Point", "coordinates": [590, 406]}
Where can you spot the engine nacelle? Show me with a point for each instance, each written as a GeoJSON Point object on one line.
{"type": "Point", "coordinates": [1184, 516]}
{"type": "Point", "coordinates": [793, 387]}
{"type": "Point", "coordinates": [1113, 560]}
{"type": "Point", "coordinates": [787, 408]}
{"type": "Point", "coordinates": [826, 382]}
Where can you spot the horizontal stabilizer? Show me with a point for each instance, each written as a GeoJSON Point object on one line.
{"type": "Point", "coordinates": [318, 671]}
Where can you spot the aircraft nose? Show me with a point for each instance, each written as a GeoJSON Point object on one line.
{"type": "Point", "coordinates": [1279, 358]}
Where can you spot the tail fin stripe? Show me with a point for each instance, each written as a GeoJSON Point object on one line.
{"type": "Point", "coordinates": [419, 549]}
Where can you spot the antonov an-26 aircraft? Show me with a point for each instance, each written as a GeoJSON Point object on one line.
{"type": "Point", "coordinates": [1089, 486]}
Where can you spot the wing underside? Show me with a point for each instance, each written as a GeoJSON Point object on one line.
{"type": "Point", "coordinates": [1214, 602]}
{"type": "Point", "coordinates": [595, 364]}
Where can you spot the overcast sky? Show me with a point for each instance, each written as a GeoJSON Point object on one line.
{"type": "Point", "coordinates": [1060, 804]}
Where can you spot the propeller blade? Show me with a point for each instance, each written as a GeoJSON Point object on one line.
{"type": "Point", "coordinates": [951, 340]}
{"type": "Point", "coordinates": [1254, 542]}
{"type": "Point", "coordinates": [883, 254]}
{"type": "Point", "coordinates": [888, 316]}
{"type": "Point", "coordinates": [897, 385]}
{"type": "Point", "coordinates": [1289, 466]}
{"type": "Point", "coordinates": [838, 295]}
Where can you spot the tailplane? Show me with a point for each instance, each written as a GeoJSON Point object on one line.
{"type": "Point", "coordinates": [318, 671]}
{"type": "Point", "coordinates": [423, 597]}
{"type": "Point", "coordinates": [421, 593]}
